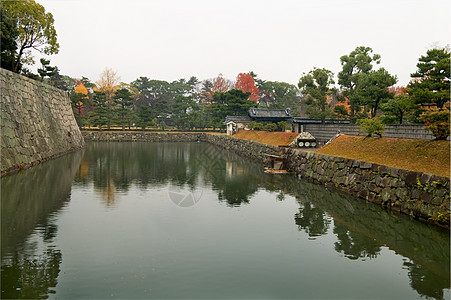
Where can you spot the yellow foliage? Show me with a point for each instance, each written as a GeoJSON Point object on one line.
{"type": "Point", "coordinates": [81, 89]}
{"type": "Point", "coordinates": [108, 83]}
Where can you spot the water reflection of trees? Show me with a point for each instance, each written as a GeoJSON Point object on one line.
{"type": "Point", "coordinates": [354, 245]}
{"type": "Point", "coordinates": [30, 260]}
{"type": "Point", "coordinates": [30, 277]}
{"type": "Point", "coordinates": [362, 229]}
{"type": "Point", "coordinates": [116, 166]}
{"type": "Point", "coordinates": [234, 178]}
{"type": "Point", "coordinates": [312, 220]}
{"type": "Point", "coordinates": [425, 281]}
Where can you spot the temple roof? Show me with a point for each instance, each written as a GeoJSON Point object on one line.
{"type": "Point", "coordinates": [237, 119]}
{"type": "Point", "coordinates": [257, 113]}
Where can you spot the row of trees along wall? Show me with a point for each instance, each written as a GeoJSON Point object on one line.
{"type": "Point", "coordinates": [37, 122]}
{"type": "Point", "coordinates": [364, 90]}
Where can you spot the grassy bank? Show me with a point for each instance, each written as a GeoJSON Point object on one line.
{"type": "Point", "coordinates": [416, 155]}
{"type": "Point", "coordinates": [265, 137]}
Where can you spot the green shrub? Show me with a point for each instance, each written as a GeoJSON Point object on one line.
{"type": "Point", "coordinates": [271, 127]}
{"type": "Point", "coordinates": [163, 125]}
{"type": "Point", "coordinates": [255, 125]}
{"type": "Point", "coordinates": [283, 125]}
{"type": "Point", "coordinates": [372, 126]}
{"type": "Point", "coordinates": [341, 111]}
{"type": "Point", "coordinates": [437, 121]}
{"type": "Point", "coordinates": [441, 218]}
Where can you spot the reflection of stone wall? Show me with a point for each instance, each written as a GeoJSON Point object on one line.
{"type": "Point", "coordinates": [30, 197]}
{"type": "Point", "coordinates": [37, 122]}
{"type": "Point", "coordinates": [414, 193]}
{"type": "Point", "coordinates": [243, 147]}
{"type": "Point", "coordinates": [363, 229]}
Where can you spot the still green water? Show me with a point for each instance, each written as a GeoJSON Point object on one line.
{"type": "Point", "coordinates": [188, 220]}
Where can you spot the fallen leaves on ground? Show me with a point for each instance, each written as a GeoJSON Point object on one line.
{"type": "Point", "coordinates": [428, 156]}
{"type": "Point", "coordinates": [265, 137]}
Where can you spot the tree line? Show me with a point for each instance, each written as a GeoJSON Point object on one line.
{"type": "Point", "coordinates": [363, 93]}
{"type": "Point", "coordinates": [369, 96]}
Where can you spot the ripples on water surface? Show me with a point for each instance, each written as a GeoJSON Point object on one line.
{"type": "Point", "coordinates": [187, 220]}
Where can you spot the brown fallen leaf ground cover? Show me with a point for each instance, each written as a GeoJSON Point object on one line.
{"type": "Point", "coordinates": [265, 137]}
{"type": "Point", "coordinates": [415, 155]}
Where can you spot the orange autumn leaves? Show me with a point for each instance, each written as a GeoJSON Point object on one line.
{"type": "Point", "coordinates": [246, 83]}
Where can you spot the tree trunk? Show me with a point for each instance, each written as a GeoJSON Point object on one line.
{"type": "Point", "coordinates": [352, 114]}
{"type": "Point", "coordinates": [373, 112]}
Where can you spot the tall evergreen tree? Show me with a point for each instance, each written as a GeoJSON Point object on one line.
{"type": "Point", "coordinates": [123, 101]}
{"type": "Point", "coordinates": [431, 81]}
{"type": "Point", "coordinates": [359, 61]}
{"type": "Point", "coordinates": [316, 85]}
{"type": "Point", "coordinates": [373, 89]}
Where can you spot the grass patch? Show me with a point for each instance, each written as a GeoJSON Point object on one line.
{"type": "Point", "coordinates": [265, 137]}
{"type": "Point", "coordinates": [415, 155]}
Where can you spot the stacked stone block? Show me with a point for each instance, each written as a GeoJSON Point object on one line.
{"type": "Point", "coordinates": [128, 136]}
{"type": "Point", "coordinates": [418, 194]}
{"type": "Point", "coordinates": [250, 149]}
{"type": "Point", "coordinates": [36, 122]}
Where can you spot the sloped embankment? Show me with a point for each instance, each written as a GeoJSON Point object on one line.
{"type": "Point", "coordinates": [265, 137]}
{"type": "Point", "coordinates": [427, 156]}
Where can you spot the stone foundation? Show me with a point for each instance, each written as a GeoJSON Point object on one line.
{"type": "Point", "coordinates": [420, 195]}
{"type": "Point", "coordinates": [136, 136]}
{"type": "Point", "coordinates": [37, 122]}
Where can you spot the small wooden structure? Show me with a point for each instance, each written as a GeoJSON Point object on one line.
{"type": "Point", "coordinates": [274, 164]}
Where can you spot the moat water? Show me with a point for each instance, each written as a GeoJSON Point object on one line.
{"type": "Point", "coordinates": [188, 220]}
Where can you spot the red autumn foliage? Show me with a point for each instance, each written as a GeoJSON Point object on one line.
{"type": "Point", "coordinates": [246, 83]}
{"type": "Point", "coordinates": [398, 90]}
{"type": "Point", "coordinates": [220, 84]}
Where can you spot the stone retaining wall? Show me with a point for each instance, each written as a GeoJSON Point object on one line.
{"type": "Point", "coordinates": [417, 194]}
{"type": "Point", "coordinates": [420, 195]}
{"type": "Point", "coordinates": [413, 193]}
{"type": "Point", "coordinates": [242, 147]}
{"type": "Point", "coordinates": [128, 136]}
{"type": "Point", "coordinates": [37, 122]}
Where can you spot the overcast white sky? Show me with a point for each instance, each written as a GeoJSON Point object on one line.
{"type": "Point", "coordinates": [278, 40]}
